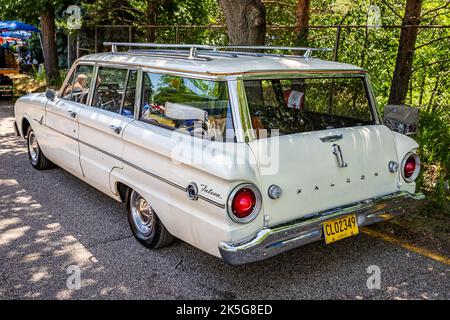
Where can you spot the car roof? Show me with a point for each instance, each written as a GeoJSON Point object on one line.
{"type": "Point", "coordinates": [223, 63]}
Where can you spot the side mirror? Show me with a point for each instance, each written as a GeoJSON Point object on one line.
{"type": "Point", "coordinates": [50, 94]}
{"type": "Point", "coordinates": [401, 118]}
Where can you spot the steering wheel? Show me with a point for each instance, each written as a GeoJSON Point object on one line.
{"type": "Point", "coordinates": [106, 93]}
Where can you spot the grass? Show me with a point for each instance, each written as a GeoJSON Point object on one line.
{"type": "Point", "coordinates": [427, 226]}
{"type": "Point", "coordinates": [24, 84]}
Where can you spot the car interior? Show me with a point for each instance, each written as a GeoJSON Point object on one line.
{"type": "Point", "coordinates": [302, 106]}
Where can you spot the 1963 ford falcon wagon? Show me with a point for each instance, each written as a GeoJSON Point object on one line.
{"type": "Point", "coordinates": [240, 153]}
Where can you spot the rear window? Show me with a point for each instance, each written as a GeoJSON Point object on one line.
{"type": "Point", "coordinates": [307, 104]}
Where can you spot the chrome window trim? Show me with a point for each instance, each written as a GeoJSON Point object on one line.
{"type": "Point", "coordinates": [138, 96]}
{"type": "Point", "coordinates": [373, 100]}
{"type": "Point", "coordinates": [127, 79]}
{"type": "Point", "coordinates": [236, 108]}
{"type": "Point", "coordinates": [69, 75]}
{"type": "Point", "coordinates": [242, 112]}
{"type": "Point", "coordinates": [125, 87]}
{"type": "Point", "coordinates": [146, 70]}
{"type": "Point", "coordinates": [92, 88]}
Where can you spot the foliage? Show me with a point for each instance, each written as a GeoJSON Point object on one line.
{"type": "Point", "coordinates": [27, 11]}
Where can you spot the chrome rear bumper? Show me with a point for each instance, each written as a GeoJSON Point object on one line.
{"type": "Point", "coordinates": [269, 242]}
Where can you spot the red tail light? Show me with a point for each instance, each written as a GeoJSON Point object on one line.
{"type": "Point", "coordinates": [244, 203]}
{"type": "Point", "coordinates": [411, 167]}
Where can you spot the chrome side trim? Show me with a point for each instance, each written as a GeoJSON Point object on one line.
{"type": "Point", "coordinates": [269, 242]}
{"type": "Point", "coordinates": [152, 174]}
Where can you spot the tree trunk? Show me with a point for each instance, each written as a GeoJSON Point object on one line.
{"type": "Point", "coordinates": [49, 46]}
{"type": "Point", "coordinates": [302, 23]}
{"type": "Point", "coordinates": [151, 19]}
{"type": "Point", "coordinates": [405, 54]}
{"type": "Point", "coordinates": [246, 21]}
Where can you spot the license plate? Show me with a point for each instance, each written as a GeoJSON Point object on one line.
{"type": "Point", "coordinates": [340, 228]}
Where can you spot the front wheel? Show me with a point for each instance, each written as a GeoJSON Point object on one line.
{"type": "Point", "coordinates": [145, 224]}
{"type": "Point", "coordinates": [37, 158]}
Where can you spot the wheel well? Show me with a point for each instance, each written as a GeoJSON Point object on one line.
{"type": "Point", "coordinates": [25, 126]}
{"type": "Point", "coordinates": [123, 190]}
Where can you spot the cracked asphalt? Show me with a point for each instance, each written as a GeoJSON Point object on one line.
{"type": "Point", "coordinates": [50, 220]}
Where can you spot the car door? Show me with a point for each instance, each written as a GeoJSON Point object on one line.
{"type": "Point", "coordinates": [102, 124]}
{"type": "Point", "coordinates": [62, 116]}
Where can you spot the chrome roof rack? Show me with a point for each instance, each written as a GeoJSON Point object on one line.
{"type": "Point", "coordinates": [194, 48]}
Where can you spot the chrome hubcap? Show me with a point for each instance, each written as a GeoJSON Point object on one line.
{"type": "Point", "coordinates": [142, 214]}
{"type": "Point", "coordinates": [34, 149]}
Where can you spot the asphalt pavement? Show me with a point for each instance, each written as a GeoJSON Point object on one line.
{"type": "Point", "coordinates": [54, 227]}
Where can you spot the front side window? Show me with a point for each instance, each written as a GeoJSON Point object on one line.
{"type": "Point", "coordinates": [307, 104]}
{"type": "Point", "coordinates": [77, 88]}
{"type": "Point", "coordinates": [194, 106]}
{"type": "Point", "coordinates": [115, 90]}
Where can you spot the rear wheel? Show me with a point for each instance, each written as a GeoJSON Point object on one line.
{"type": "Point", "coordinates": [145, 224]}
{"type": "Point", "coordinates": [37, 158]}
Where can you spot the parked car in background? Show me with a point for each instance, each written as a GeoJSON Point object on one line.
{"type": "Point", "coordinates": [244, 155]}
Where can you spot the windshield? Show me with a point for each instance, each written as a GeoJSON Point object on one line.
{"type": "Point", "coordinates": [307, 104]}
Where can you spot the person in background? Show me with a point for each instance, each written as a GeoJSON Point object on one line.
{"type": "Point", "coordinates": [79, 85]}
{"type": "Point", "coordinates": [79, 90]}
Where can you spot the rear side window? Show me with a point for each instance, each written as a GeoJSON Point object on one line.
{"type": "Point", "coordinates": [194, 106]}
{"type": "Point", "coordinates": [130, 94]}
{"type": "Point", "coordinates": [307, 104]}
{"type": "Point", "coordinates": [77, 88]}
{"type": "Point", "coordinates": [115, 90]}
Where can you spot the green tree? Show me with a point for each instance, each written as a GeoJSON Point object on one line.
{"type": "Point", "coordinates": [302, 22]}
{"type": "Point", "coordinates": [405, 55]}
{"type": "Point", "coordinates": [246, 21]}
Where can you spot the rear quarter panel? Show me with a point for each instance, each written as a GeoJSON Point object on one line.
{"type": "Point", "coordinates": [160, 164]}
{"type": "Point", "coordinates": [404, 145]}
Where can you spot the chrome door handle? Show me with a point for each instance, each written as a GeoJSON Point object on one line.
{"type": "Point", "coordinates": [73, 114]}
{"type": "Point", "coordinates": [116, 129]}
{"type": "Point", "coordinates": [332, 138]}
{"type": "Point", "coordinates": [336, 149]}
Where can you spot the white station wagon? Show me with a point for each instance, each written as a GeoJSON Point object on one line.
{"type": "Point", "coordinates": [243, 154]}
